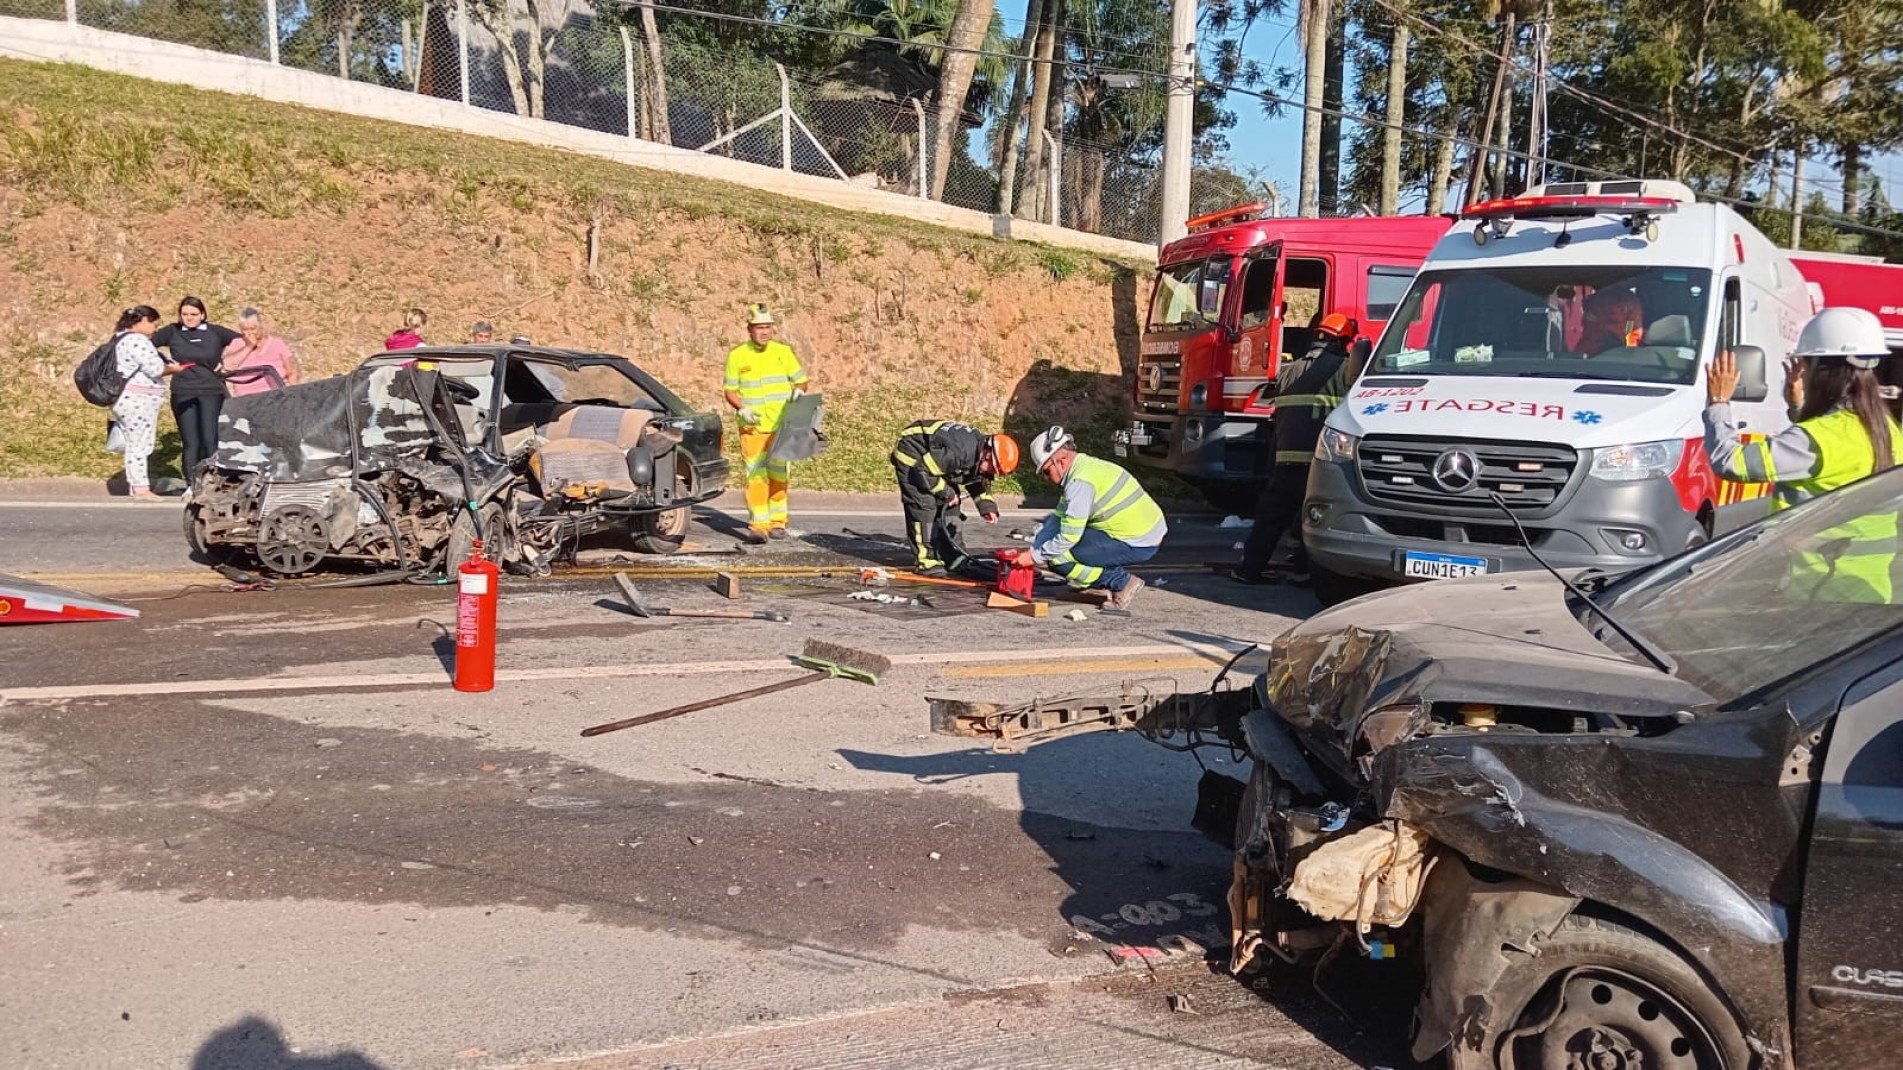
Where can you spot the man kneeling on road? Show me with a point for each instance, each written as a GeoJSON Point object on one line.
{"type": "Point", "coordinates": [1106, 520]}
{"type": "Point", "coordinates": [934, 460]}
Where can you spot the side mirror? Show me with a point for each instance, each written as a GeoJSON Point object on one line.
{"type": "Point", "coordinates": [1751, 382]}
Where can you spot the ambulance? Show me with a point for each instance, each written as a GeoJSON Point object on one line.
{"type": "Point", "coordinates": [1545, 374]}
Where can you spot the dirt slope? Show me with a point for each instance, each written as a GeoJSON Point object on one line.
{"type": "Point", "coordinates": [115, 191]}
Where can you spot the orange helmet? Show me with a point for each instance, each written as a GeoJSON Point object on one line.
{"type": "Point", "coordinates": [1337, 325]}
{"type": "Point", "coordinates": [1004, 453]}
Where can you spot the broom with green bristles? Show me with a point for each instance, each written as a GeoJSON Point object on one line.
{"type": "Point", "coordinates": [826, 660]}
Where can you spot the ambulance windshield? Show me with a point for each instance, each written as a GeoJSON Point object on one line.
{"type": "Point", "coordinates": [1634, 324]}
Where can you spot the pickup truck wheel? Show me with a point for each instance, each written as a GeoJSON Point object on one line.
{"type": "Point", "coordinates": [660, 533]}
{"type": "Point", "coordinates": [1602, 995]}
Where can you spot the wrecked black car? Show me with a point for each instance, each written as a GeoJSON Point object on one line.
{"type": "Point", "coordinates": [403, 463]}
{"type": "Point", "coordinates": [1674, 847]}
{"type": "Point", "coordinates": [1652, 820]}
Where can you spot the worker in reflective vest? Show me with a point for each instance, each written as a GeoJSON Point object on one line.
{"type": "Point", "coordinates": [1308, 390]}
{"type": "Point", "coordinates": [1842, 432]}
{"type": "Point", "coordinates": [1104, 522]}
{"type": "Point", "coordinates": [762, 376]}
{"type": "Point", "coordinates": [935, 461]}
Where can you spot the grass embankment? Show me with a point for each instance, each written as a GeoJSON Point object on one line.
{"type": "Point", "coordinates": [116, 191]}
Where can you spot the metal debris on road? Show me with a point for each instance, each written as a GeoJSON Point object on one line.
{"type": "Point", "coordinates": [640, 609]}
{"type": "Point", "coordinates": [825, 660]}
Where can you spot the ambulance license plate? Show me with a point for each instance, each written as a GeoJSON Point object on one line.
{"type": "Point", "coordinates": [1417, 565]}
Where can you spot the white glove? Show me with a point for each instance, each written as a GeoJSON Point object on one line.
{"type": "Point", "coordinates": [747, 416]}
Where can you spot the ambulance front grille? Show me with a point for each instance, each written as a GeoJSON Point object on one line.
{"type": "Point", "coordinates": [1529, 477]}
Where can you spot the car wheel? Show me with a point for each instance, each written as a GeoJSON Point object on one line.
{"type": "Point", "coordinates": [661, 532]}
{"type": "Point", "coordinates": [1600, 994]}
{"type": "Point", "coordinates": [203, 549]}
{"type": "Point", "coordinates": [1332, 588]}
{"type": "Point", "coordinates": [462, 538]}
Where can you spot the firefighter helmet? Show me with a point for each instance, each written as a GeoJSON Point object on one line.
{"type": "Point", "coordinates": [758, 313]}
{"type": "Point", "coordinates": [1004, 454]}
{"type": "Point", "coordinates": [1854, 334]}
{"type": "Point", "coordinates": [1337, 325]}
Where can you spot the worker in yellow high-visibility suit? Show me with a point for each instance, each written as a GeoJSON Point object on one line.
{"type": "Point", "coordinates": [762, 376]}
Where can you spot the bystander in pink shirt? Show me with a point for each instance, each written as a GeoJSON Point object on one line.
{"type": "Point", "coordinates": [270, 352]}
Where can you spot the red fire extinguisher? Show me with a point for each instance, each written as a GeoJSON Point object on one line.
{"type": "Point", "coordinates": [476, 622]}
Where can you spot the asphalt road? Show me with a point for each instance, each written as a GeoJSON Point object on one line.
{"type": "Point", "coordinates": [259, 829]}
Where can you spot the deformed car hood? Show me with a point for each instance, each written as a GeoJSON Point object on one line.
{"type": "Point", "coordinates": [1504, 641]}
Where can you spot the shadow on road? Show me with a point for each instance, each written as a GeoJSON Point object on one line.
{"type": "Point", "coordinates": [1139, 891]}
{"type": "Point", "coordinates": [256, 1044]}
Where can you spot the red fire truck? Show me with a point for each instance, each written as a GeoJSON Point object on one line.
{"type": "Point", "coordinates": [1233, 298]}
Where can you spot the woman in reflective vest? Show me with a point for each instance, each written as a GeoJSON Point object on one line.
{"type": "Point", "coordinates": [1842, 432]}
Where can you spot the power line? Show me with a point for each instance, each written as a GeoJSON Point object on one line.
{"type": "Point", "coordinates": [1276, 98]}
{"type": "Point", "coordinates": [1605, 104]}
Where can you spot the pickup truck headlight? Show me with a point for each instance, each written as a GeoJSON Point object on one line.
{"type": "Point", "coordinates": [1336, 446]}
{"type": "Point", "coordinates": [1639, 460]}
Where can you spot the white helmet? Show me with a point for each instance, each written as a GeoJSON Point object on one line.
{"type": "Point", "coordinates": [1043, 446]}
{"type": "Point", "coordinates": [1852, 333]}
{"type": "Point", "coordinates": [758, 314]}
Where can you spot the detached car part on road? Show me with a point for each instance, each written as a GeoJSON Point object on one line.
{"type": "Point", "coordinates": [404, 462]}
{"type": "Point", "coordinates": [1596, 862]}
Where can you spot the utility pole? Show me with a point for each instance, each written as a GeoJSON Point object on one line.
{"type": "Point", "coordinates": [1178, 121]}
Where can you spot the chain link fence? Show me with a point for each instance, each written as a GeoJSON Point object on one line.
{"type": "Point", "coordinates": [870, 120]}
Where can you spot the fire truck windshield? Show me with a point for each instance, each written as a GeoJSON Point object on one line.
{"type": "Point", "coordinates": [1636, 324]}
{"type": "Point", "coordinates": [1190, 295]}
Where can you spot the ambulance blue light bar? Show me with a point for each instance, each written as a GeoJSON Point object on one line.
{"type": "Point", "coordinates": [1582, 206]}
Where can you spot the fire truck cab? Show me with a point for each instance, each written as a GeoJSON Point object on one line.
{"type": "Point", "coordinates": [1231, 300]}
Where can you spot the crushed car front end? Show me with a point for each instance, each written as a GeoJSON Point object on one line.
{"type": "Point", "coordinates": [1455, 772]}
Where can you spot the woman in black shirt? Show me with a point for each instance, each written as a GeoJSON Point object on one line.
{"type": "Point", "coordinates": [198, 393]}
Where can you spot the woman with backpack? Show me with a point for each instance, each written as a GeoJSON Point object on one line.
{"type": "Point", "coordinates": [198, 394]}
{"type": "Point", "coordinates": [137, 410]}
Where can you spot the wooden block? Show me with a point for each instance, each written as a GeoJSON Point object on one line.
{"type": "Point", "coordinates": [998, 600]}
{"type": "Point", "coordinates": [727, 584]}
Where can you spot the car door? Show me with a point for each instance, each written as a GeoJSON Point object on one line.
{"type": "Point", "coordinates": [1848, 1000]}
{"type": "Point", "coordinates": [1258, 324]}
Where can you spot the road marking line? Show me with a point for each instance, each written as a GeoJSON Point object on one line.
{"type": "Point", "coordinates": [1088, 656]}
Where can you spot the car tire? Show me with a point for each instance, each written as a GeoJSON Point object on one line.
{"type": "Point", "coordinates": [1332, 588]}
{"type": "Point", "coordinates": [203, 551]}
{"type": "Point", "coordinates": [1596, 986]}
{"type": "Point", "coordinates": [661, 532]}
{"type": "Point", "coordinates": [462, 538]}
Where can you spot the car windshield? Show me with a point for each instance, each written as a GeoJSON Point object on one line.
{"type": "Point", "coordinates": [1769, 602]}
{"type": "Point", "coordinates": [540, 381]}
{"type": "Point", "coordinates": [1634, 324]}
{"type": "Point", "coordinates": [1190, 294]}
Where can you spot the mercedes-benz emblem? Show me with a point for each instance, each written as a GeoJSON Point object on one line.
{"type": "Point", "coordinates": [1154, 376]}
{"type": "Point", "coordinates": [1456, 471]}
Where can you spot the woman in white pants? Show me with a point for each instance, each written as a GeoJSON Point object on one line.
{"type": "Point", "coordinates": [137, 410]}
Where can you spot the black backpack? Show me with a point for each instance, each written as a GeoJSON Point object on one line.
{"type": "Point", "coordinates": [98, 378]}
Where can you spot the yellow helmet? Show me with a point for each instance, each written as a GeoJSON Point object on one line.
{"type": "Point", "coordinates": [758, 313]}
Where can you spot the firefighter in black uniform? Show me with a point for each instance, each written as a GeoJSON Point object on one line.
{"type": "Point", "coordinates": [1308, 390]}
{"type": "Point", "coordinates": [934, 461]}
